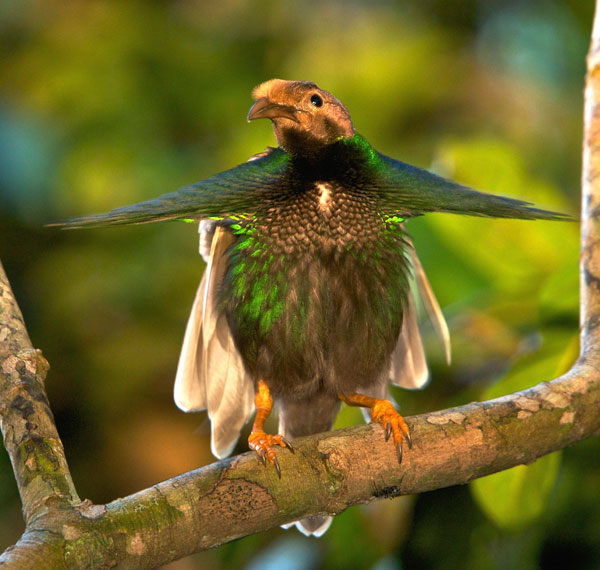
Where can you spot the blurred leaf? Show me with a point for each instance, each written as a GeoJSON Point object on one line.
{"type": "Point", "coordinates": [287, 553]}
{"type": "Point", "coordinates": [514, 255]}
{"type": "Point", "coordinates": [559, 297]}
{"type": "Point", "coordinates": [543, 45]}
{"type": "Point", "coordinates": [516, 497]}
{"type": "Point", "coordinates": [343, 548]}
{"type": "Point", "coordinates": [28, 150]}
{"type": "Point", "coordinates": [558, 350]}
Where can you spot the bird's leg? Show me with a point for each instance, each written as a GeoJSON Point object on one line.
{"type": "Point", "coordinates": [258, 440]}
{"type": "Point", "coordinates": [383, 412]}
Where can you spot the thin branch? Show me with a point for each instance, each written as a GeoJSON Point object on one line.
{"type": "Point", "coordinates": [329, 472]}
{"type": "Point", "coordinates": [590, 202]}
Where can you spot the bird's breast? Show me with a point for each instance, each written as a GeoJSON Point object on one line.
{"type": "Point", "coordinates": [325, 200]}
{"type": "Point", "coordinates": [322, 217]}
{"type": "Point", "coordinates": [314, 291]}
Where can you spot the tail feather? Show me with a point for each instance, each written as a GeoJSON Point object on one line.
{"type": "Point", "coordinates": [305, 417]}
{"type": "Point", "coordinates": [311, 526]}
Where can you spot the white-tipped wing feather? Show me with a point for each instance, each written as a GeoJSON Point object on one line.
{"type": "Point", "coordinates": [211, 374]}
{"type": "Point", "coordinates": [408, 366]}
{"type": "Point", "coordinates": [229, 391]}
{"type": "Point", "coordinates": [430, 303]}
{"type": "Point", "coordinates": [189, 391]}
{"type": "Point", "coordinates": [206, 229]}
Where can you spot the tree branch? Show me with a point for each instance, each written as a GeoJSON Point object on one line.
{"type": "Point", "coordinates": [590, 202]}
{"type": "Point", "coordinates": [28, 427]}
{"type": "Point", "coordinates": [237, 497]}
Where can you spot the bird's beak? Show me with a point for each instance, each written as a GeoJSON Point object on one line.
{"type": "Point", "coordinates": [264, 109]}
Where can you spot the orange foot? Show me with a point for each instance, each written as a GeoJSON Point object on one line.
{"type": "Point", "coordinates": [261, 442]}
{"type": "Point", "coordinates": [383, 412]}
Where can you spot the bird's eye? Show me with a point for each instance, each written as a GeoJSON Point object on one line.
{"type": "Point", "coordinates": [316, 100]}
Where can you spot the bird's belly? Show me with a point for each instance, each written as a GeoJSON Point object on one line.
{"type": "Point", "coordinates": [328, 321]}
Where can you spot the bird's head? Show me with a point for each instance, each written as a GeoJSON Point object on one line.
{"type": "Point", "coordinates": [305, 119]}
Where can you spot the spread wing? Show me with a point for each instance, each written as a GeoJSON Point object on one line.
{"type": "Point", "coordinates": [238, 190]}
{"type": "Point", "coordinates": [211, 374]}
{"type": "Point", "coordinates": [413, 191]}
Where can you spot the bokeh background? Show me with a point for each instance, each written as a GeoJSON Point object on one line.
{"type": "Point", "coordinates": [105, 103]}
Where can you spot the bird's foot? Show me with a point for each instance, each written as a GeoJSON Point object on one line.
{"type": "Point", "coordinates": [262, 443]}
{"type": "Point", "coordinates": [383, 412]}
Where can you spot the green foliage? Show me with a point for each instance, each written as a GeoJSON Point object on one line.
{"type": "Point", "coordinates": [516, 497]}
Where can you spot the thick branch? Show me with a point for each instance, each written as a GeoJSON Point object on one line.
{"type": "Point", "coordinates": [332, 471]}
{"type": "Point", "coordinates": [329, 472]}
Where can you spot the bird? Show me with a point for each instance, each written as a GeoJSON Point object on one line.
{"type": "Point", "coordinates": [306, 300]}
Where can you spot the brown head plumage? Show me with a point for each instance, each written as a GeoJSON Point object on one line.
{"type": "Point", "coordinates": [305, 118]}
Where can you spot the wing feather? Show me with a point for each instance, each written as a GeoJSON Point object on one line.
{"type": "Point", "coordinates": [211, 374]}
{"type": "Point", "coordinates": [413, 191]}
{"type": "Point", "coordinates": [189, 392]}
{"type": "Point", "coordinates": [242, 189]}
{"type": "Point", "coordinates": [408, 366]}
{"type": "Point", "coordinates": [431, 305]}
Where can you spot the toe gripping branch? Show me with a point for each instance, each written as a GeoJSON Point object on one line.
{"type": "Point", "coordinates": [260, 441]}
{"type": "Point", "coordinates": [383, 412]}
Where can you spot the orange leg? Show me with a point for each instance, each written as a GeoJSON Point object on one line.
{"type": "Point", "coordinates": [383, 412]}
{"type": "Point", "coordinates": [260, 441]}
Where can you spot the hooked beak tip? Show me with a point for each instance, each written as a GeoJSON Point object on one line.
{"type": "Point", "coordinates": [254, 111]}
{"type": "Point", "coordinates": [265, 109]}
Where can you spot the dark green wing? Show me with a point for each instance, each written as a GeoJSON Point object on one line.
{"type": "Point", "coordinates": [413, 191]}
{"type": "Point", "coordinates": [234, 191]}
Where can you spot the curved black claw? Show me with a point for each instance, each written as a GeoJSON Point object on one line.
{"type": "Point", "coordinates": [399, 452]}
{"type": "Point", "coordinates": [288, 445]}
{"type": "Point", "coordinates": [276, 463]}
{"type": "Point", "coordinates": [263, 456]}
{"type": "Point", "coordinates": [408, 440]}
{"type": "Point", "coordinates": [388, 430]}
